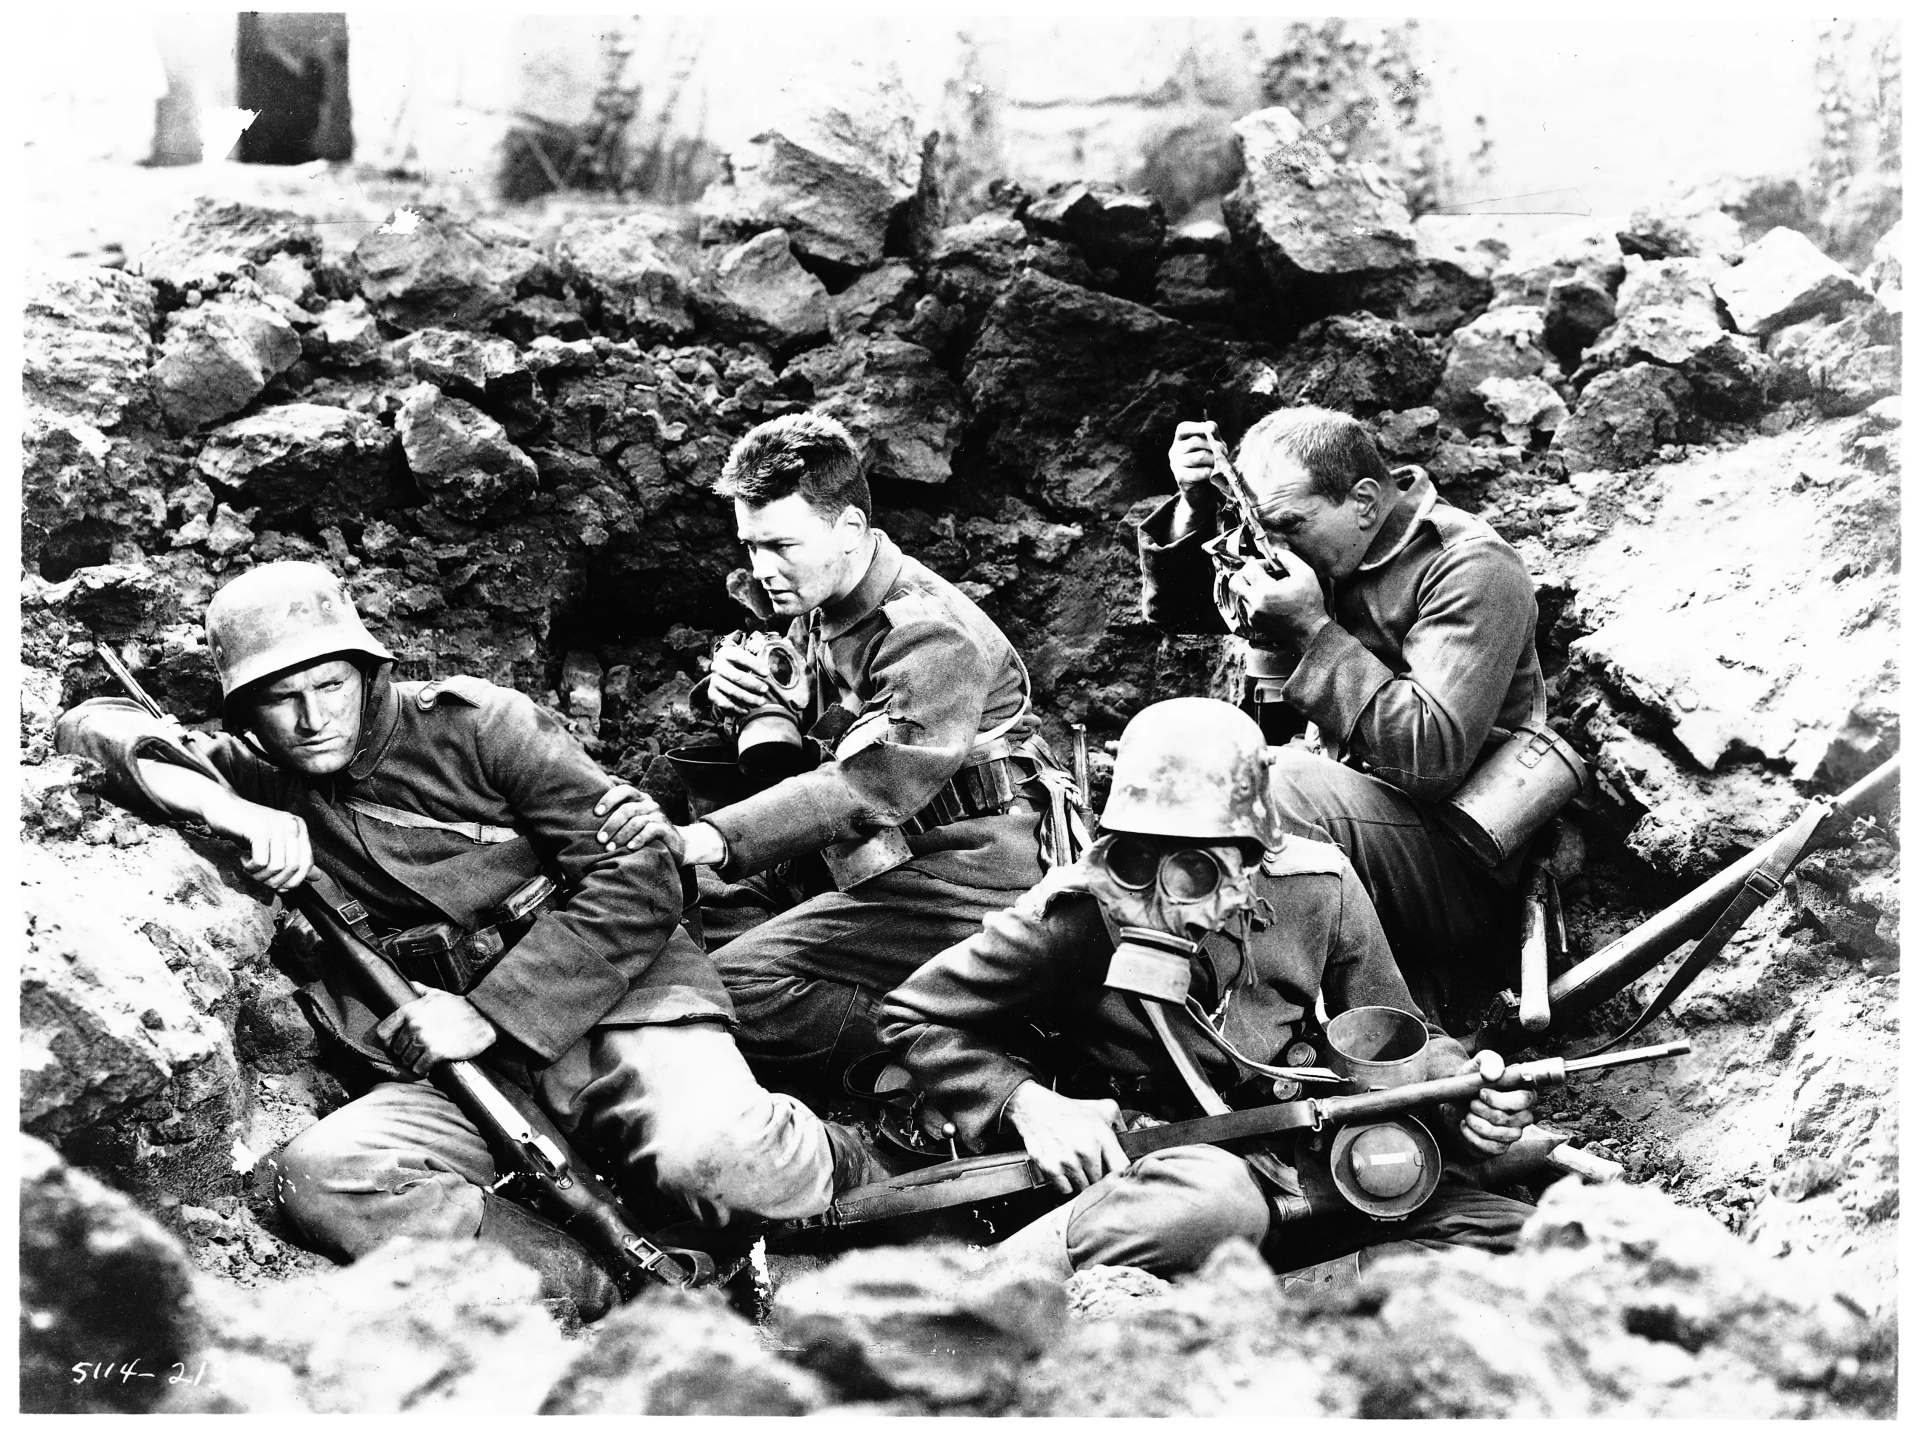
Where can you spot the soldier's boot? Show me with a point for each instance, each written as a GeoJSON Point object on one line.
{"type": "Point", "coordinates": [856, 1160]}
{"type": "Point", "coordinates": [1039, 1246]}
{"type": "Point", "coordinates": [567, 1270]}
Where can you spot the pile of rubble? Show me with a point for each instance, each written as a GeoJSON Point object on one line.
{"type": "Point", "coordinates": [504, 440]}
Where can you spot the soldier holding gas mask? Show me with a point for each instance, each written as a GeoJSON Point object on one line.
{"type": "Point", "coordinates": [1179, 962]}
{"type": "Point", "coordinates": [932, 796]}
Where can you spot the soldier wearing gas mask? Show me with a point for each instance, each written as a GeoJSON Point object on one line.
{"type": "Point", "coordinates": [1179, 962]}
{"type": "Point", "coordinates": [932, 797]}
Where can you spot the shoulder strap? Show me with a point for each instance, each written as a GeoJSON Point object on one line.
{"type": "Point", "coordinates": [1762, 884]}
{"type": "Point", "coordinates": [472, 830]}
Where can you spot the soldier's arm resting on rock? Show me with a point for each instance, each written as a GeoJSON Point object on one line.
{"type": "Point", "coordinates": [952, 1023]}
{"type": "Point", "coordinates": [1361, 971]}
{"type": "Point", "coordinates": [1423, 729]}
{"type": "Point", "coordinates": [580, 957]}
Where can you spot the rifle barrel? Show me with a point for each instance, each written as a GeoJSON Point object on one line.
{"type": "Point", "coordinates": [1617, 965]}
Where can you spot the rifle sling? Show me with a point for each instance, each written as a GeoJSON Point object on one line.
{"type": "Point", "coordinates": [1762, 885]}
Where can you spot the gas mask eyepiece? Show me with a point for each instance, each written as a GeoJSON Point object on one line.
{"type": "Point", "coordinates": [1165, 895]}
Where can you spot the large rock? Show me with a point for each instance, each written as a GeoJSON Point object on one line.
{"type": "Point", "coordinates": [1578, 309]}
{"type": "Point", "coordinates": [680, 1353]}
{"type": "Point", "coordinates": [347, 335]}
{"type": "Point", "coordinates": [1782, 277]}
{"type": "Point", "coordinates": [881, 302]}
{"type": "Point", "coordinates": [1689, 226]}
{"type": "Point", "coordinates": [898, 404]}
{"type": "Point", "coordinates": [919, 1324]}
{"type": "Point", "coordinates": [1730, 376]}
{"type": "Point", "coordinates": [440, 1326]}
{"type": "Point", "coordinates": [1508, 342]}
{"type": "Point", "coordinates": [1586, 248]}
{"type": "Point", "coordinates": [216, 358]}
{"type": "Point", "coordinates": [425, 267]}
{"type": "Point", "coordinates": [212, 243]}
{"type": "Point", "coordinates": [1114, 229]}
{"type": "Point", "coordinates": [486, 370]}
{"type": "Point", "coordinates": [1843, 366]}
{"type": "Point", "coordinates": [758, 291]}
{"type": "Point", "coordinates": [290, 462]}
{"type": "Point", "coordinates": [1528, 409]}
{"type": "Point", "coordinates": [461, 455]}
{"type": "Point", "coordinates": [1444, 287]}
{"type": "Point", "coordinates": [132, 947]}
{"type": "Point", "coordinates": [91, 419]}
{"type": "Point", "coordinates": [1755, 614]}
{"type": "Point", "coordinates": [1624, 417]}
{"type": "Point", "coordinates": [1360, 364]}
{"type": "Point", "coordinates": [622, 277]}
{"type": "Point", "coordinates": [1079, 391]}
{"type": "Point", "coordinates": [1685, 282]}
{"type": "Point", "coordinates": [1317, 232]}
{"type": "Point", "coordinates": [835, 171]}
{"type": "Point", "coordinates": [107, 1315]}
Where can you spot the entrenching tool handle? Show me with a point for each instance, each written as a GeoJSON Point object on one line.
{"type": "Point", "coordinates": [1535, 1013]}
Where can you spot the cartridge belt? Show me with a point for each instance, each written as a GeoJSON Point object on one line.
{"type": "Point", "coordinates": [987, 788]}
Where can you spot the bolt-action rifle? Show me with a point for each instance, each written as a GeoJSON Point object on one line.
{"type": "Point", "coordinates": [1381, 1160]}
{"type": "Point", "coordinates": [534, 1159]}
{"type": "Point", "coordinates": [1709, 915]}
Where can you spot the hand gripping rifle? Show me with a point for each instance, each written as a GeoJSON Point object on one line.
{"type": "Point", "coordinates": [527, 1147]}
{"type": "Point", "coordinates": [1379, 1164]}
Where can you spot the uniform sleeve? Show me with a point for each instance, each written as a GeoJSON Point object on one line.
{"type": "Point", "coordinates": [117, 733]}
{"type": "Point", "coordinates": [1423, 730]}
{"type": "Point", "coordinates": [953, 1022]}
{"type": "Point", "coordinates": [1176, 577]}
{"type": "Point", "coordinates": [583, 956]}
{"type": "Point", "coordinates": [1361, 971]}
{"type": "Point", "coordinates": [931, 682]}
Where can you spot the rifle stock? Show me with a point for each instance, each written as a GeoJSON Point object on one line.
{"type": "Point", "coordinates": [526, 1145]}
{"type": "Point", "coordinates": [982, 1178]}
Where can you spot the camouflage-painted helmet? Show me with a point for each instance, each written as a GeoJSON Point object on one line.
{"type": "Point", "coordinates": [281, 615]}
{"type": "Point", "coordinates": [1196, 769]}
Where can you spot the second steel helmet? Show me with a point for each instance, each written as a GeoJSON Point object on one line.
{"type": "Point", "coordinates": [281, 615]}
{"type": "Point", "coordinates": [1192, 768]}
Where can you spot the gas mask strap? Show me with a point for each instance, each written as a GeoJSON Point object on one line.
{"type": "Point", "coordinates": [1182, 1058]}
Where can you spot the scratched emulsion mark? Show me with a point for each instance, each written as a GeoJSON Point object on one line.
{"type": "Point", "coordinates": [405, 221]}
{"type": "Point", "coordinates": [221, 127]}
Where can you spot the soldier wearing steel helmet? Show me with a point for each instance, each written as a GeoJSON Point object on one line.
{"type": "Point", "coordinates": [1190, 871]}
{"type": "Point", "coordinates": [432, 802]}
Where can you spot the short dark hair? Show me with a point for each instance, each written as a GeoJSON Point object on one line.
{"type": "Point", "coordinates": [1335, 449]}
{"type": "Point", "coordinates": [808, 453]}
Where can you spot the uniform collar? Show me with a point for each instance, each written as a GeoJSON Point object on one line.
{"type": "Point", "coordinates": [842, 615]}
{"type": "Point", "coordinates": [380, 719]}
{"type": "Point", "coordinates": [1414, 505]}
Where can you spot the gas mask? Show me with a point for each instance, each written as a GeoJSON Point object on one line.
{"type": "Point", "coordinates": [1166, 896]}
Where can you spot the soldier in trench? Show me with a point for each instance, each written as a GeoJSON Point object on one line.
{"type": "Point", "coordinates": [1403, 628]}
{"type": "Point", "coordinates": [430, 802]}
{"type": "Point", "coordinates": [933, 797]}
{"type": "Point", "coordinates": [1190, 871]}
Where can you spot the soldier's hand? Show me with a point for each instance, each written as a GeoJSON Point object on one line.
{"type": "Point", "coordinates": [738, 682]}
{"type": "Point", "coordinates": [1191, 457]}
{"type": "Point", "coordinates": [631, 809]}
{"type": "Point", "coordinates": [1290, 605]}
{"type": "Point", "coordinates": [1072, 1141]}
{"type": "Point", "coordinates": [439, 1026]}
{"type": "Point", "coordinates": [1492, 1121]}
{"type": "Point", "coordinates": [279, 853]}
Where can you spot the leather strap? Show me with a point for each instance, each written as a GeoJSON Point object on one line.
{"type": "Point", "coordinates": [1762, 885]}
{"type": "Point", "coordinates": [412, 820]}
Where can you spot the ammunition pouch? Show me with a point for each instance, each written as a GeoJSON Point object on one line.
{"type": "Point", "coordinates": [989, 788]}
{"type": "Point", "coordinates": [448, 958]}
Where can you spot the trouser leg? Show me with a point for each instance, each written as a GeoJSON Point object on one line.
{"type": "Point", "coordinates": [400, 1160]}
{"type": "Point", "coordinates": [675, 1109]}
{"type": "Point", "coordinates": [1458, 1214]}
{"type": "Point", "coordinates": [1165, 1213]}
{"type": "Point", "coordinates": [1441, 913]}
{"type": "Point", "coordinates": [807, 985]}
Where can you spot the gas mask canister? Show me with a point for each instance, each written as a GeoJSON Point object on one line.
{"type": "Point", "coordinates": [1166, 895]}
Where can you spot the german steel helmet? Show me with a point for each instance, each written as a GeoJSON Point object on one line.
{"type": "Point", "coordinates": [1192, 768]}
{"type": "Point", "coordinates": [280, 615]}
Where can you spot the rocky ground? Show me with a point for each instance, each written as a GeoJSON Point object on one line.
{"type": "Point", "coordinates": [501, 433]}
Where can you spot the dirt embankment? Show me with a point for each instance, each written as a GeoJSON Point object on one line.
{"type": "Point", "coordinates": [503, 439]}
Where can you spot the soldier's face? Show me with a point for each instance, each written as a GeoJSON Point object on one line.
{"type": "Point", "coordinates": [801, 557]}
{"type": "Point", "coordinates": [1330, 536]}
{"type": "Point", "coordinates": [309, 720]}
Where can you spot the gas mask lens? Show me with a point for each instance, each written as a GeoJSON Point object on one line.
{"type": "Point", "coordinates": [1185, 875]}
